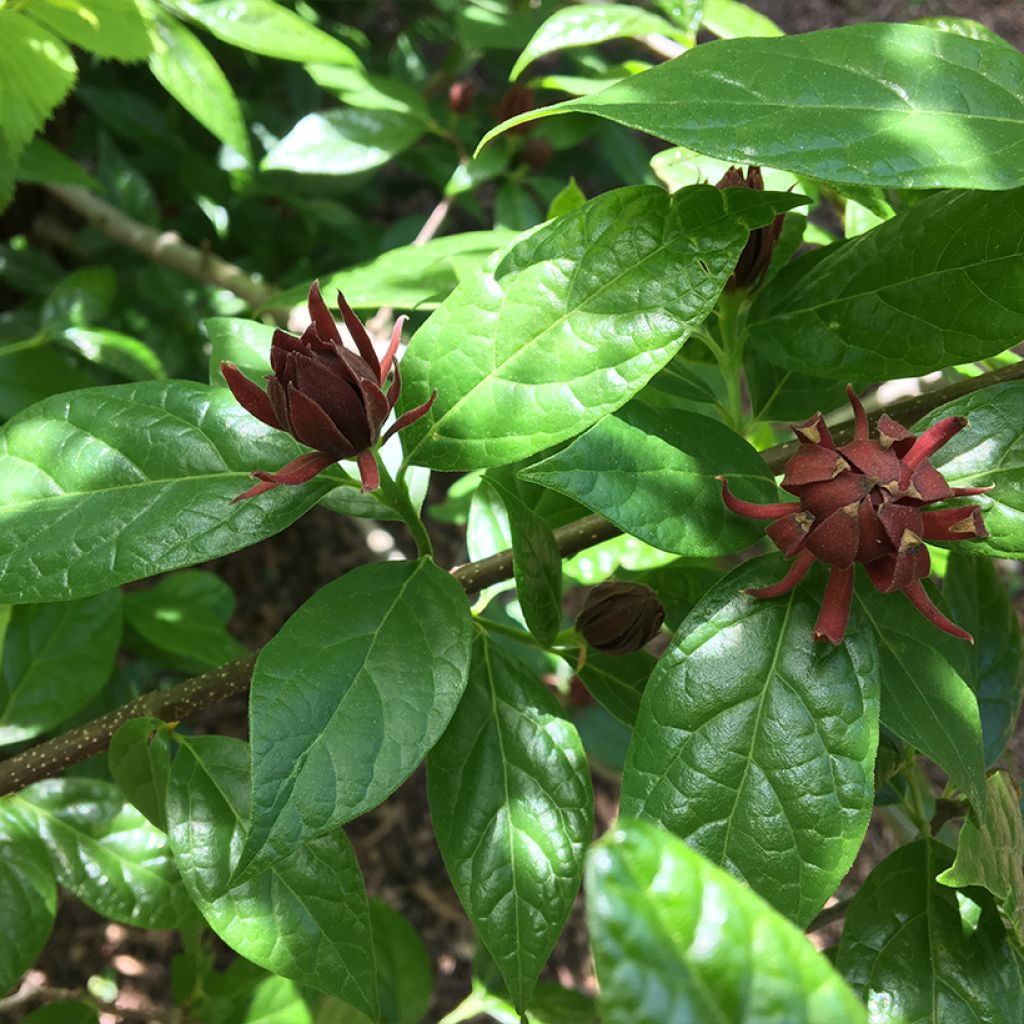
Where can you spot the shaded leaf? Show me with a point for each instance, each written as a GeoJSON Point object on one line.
{"type": "Point", "coordinates": [511, 801]}
{"type": "Point", "coordinates": [139, 759]}
{"type": "Point", "coordinates": [108, 28]}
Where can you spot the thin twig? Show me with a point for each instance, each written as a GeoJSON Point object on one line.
{"type": "Point", "coordinates": [166, 247]}
{"type": "Point", "coordinates": [47, 994]}
{"type": "Point", "coordinates": [836, 912]}
{"type": "Point", "coordinates": [53, 756]}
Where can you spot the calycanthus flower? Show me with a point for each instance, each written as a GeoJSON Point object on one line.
{"type": "Point", "coordinates": [865, 502]}
{"type": "Point", "coordinates": [326, 396]}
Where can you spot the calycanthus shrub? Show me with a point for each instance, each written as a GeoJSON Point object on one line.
{"type": "Point", "coordinates": [609, 388]}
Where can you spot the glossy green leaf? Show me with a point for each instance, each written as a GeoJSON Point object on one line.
{"type": "Point", "coordinates": [32, 370]}
{"type": "Point", "coordinates": [106, 853]}
{"type": "Point", "coordinates": [126, 356]}
{"type": "Point", "coordinates": [991, 853]}
{"type": "Point", "coordinates": [566, 200]}
{"type": "Point", "coordinates": [403, 966]}
{"type": "Point", "coordinates": [729, 19]}
{"type": "Point", "coordinates": [118, 483]}
{"type": "Point", "coordinates": [588, 24]}
{"type": "Point", "coordinates": [351, 693]}
{"type": "Point", "coordinates": [571, 321]}
{"type": "Point", "coordinates": [56, 658]}
{"type": "Point", "coordinates": [64, 1012]}
{"type": "Point", "coordinates": [268, 28]}
{"type": "Point", "coordinates": [891, 105]}
{"type": "Point", "coordinates": [906, 951]}
{"type": "Point", "coordinates": [536, 560]}
{"type": "Point", "coordinates": [184, 616]}
{"type": "Point", "coordinates": [409, 276]}
{"type": "Point", "coordinates": [139, 758]}
{"type": "Point", "coordinates": [678, 167]}
{"type": "Point", "coordinates": [189, 72]}
{"type": "Point", "coordinates": [512, 806]}
{"type": "Point", "coordinates": [964, 27]}
{"type": "Point", "coordinates": [925, 700]}
{"type": "Point", "coordinates": [246, 343]}
{"type": "Point", "coordinates": [28, 898]}
{"type": "Point", "coordinates": [756, 744]}
{"type": "Point", "coordinates": [36, 72]}
{"type": "Point", "coordinates": [108, 28]}
{"type": "Point", "coordinates": [978, 601]}
{"type": "Point", "coordinates": [989, 451]}
{"type": "Point", "coordinates": [780, 394]}
{"type": "Point", "coordinates": [901, 300]}
{"type": "Point", "coordinates": [306, 917]}
{"type": "Point", "coordinates": [654, 476]}
{"type": "Point", "coordinates": [277, 1001]}
{"type": "Point", "coordinates": [677, 939]}
{"type": "Point", "coordinates": [343, 141]}
{"type": "Point", "coordinates": [617, 682]}
{"type": "Point", "coordinates": [356, 88]}
{"type": "Point", "coordinates": [83, 297]}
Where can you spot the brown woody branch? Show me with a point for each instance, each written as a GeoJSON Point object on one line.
{"type": "Point", "coordinates": [53, 756]}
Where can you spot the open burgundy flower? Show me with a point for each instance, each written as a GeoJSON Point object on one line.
{"type": "Point", "coordinates": [865, 502]}
{"type": "Point", "coordinates": [327, 397]}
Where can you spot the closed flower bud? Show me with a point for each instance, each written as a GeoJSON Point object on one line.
{"type": "Point", "coordinates": [865, 502]}
{"type": "Point", "coordinates": [757, 253]}
{"type": "Point", "coordinates": [326, 396]}
{"type": "Point", "coordinates": [618, 618]}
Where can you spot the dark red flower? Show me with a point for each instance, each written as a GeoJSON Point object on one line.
{"type": "Point", "coordinates": [757, 253]}
{"type": "Point", "coordinates": [326, 396]}
{"type": "Point", "coordinates": [618, 618]}
{"type": "Point", "coordinates": [864, 502]}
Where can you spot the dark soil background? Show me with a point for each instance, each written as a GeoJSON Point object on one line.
{"type": "Point", "coordinates": [395, 842]}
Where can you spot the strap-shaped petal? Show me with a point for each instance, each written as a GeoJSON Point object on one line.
{"type": "Point", "coordinates": [298, 471]}
{"type": "Point", "coordinates": [835, 607]}
{"type": "Point", "coordinates": [250, 396]}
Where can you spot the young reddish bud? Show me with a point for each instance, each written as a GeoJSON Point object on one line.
{"type": "Point", "coordinates": [460, 96]}
{"type": "Point", "coordinates": [757, 253]}
{"type": "Point", "coordinates": [326, 396]}
{"type": "Point", "coordinates": [619, 618]}
{"type": "Point", "coordinates": [864, 503]}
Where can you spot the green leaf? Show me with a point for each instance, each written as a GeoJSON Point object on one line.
{"type": "Point", "coordinates": [779, 394]}
{"type": "Point", "coordinates": [964, 27]}
{"type": "Point", "coordinates": [246, 343]}
{"type": "Point", "coordinates": [343, 142]}
{"type": "Point", "coordinates": [355, 88]}
{"type": "Point", "coordinates": [56, 658]}
{"type": "Point", "coordinates": [403, 966]}
{"type": "Point", "coordinates": [892, 105]}
{"type": "Point", "coordinates": [571, 321]}
{"type": "Point", "coordinates": [352, 693]}
{"type": "Point", "coordinates": [42, 163]}
{"type": "Point", "coordinates": [81, 298]}
{"type": "Point", "coordinates": [906, 951]}
{"type": "Point", "coordinates": [536, 560]}
{"type": "Point", "coordinates": [587, 24]}
{"type": "Point", "coordinates": [978, 601]}
{"type": "Point", "coordinates": [410, 276]}
{"type": "Point", "coordinates": [925, 700]}
{"type": "Point", "coordinates": [305, 918]}
{"type": "Point", "coordinates": [617, 682]}
{"type": "Point", "coordinates": [29, 902]}
{"type": "Point", "coordinates": [901, 300]}
{"type": "Point", "coordinates": [566, 200]}
{"type": "Point", "coordinates": [31, 371]}
{"type": "Point", "coordinates": [989, 451]}
{"type": "Point", "coordinates": [757, 745]}
{"type": "Point", "coordinates": [36, 72]}
{"type": "Point", "coordinates": [513, 810]}
{"type": "Point", "coordinates": [139, 759]}
{"type": "Point", "coordinates": [108, 28]}
{"type": "Point", "coordinates": [515, 208]}
{"type": "Point", "coordinates": [64, 1012]}
{"type": "Point", "coordinates": [597, 563]}
{"type": "Point", "coordinates": [121, 353]}
{"type": "Point", "coordinates": [991, 853]}
{"type": "Point", "coordinates": [728, 19]}
{"type": "Point", "coordinates": [678, 167]}
{"type": "Point", "coordinates": [114, 484]}
{"type": "Point", "coordinates": [185, 616]}
{"type": "Point", "coordinates": [268, 28]}
{"type": "Point", "coordinates": [189, 72]}
{"type": "Point", "coordinates": [677, 939]}
{"type": "Point", "coordinates": [277, 1001]}
{"type": "Point", "coordinates": [654, 476]}
{"type": "Point", "coordinates": [106, 853]}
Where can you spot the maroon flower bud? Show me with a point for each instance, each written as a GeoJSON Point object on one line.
{"type": "Point", "coordinates": [864, 502]}
{"type": "Point", "coordinates": [757, 253]}
{"type": "Point", "coordinates": [517, 100]}
{"type": "Point", "coordinates": [326, 396]}
{"type": "Point", "coordinates": [460, 96]}
{"type": "Point", "coordinates": [618, 618]}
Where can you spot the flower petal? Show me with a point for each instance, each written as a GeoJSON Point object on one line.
{"type": "Point", "coordinates": [933, 439]}
{"type": "Point", "coordinates": [360, 337]}
{"type": "Point", "coordinates": [411, 416]}
{"type": "Point", "coordinates": [369, 473]}
{"type": "Point", "coordinates": [897, 519]}
{"type": "Point", "coordinates": [813, 431]}
{"type": "Point", "coordinates": [797, 571]}
{"type": "Point", "coordinates": [811, 463]}
{"type": "Point", "coordinates": [961, 523]}
{"type": "Point", "coordinates": [920, 600]}
{"type": "Point", "coordinates": [788, 533]}
{"type": "Point", "coordinates": [835, 606]}
{"type": "Point", "coordinates": [298, 471]}
{"type": "Point", "coordinates": [326, 328]}
{"type": "Point", "coordinates": [836, 538]}
{"type": "Point", "coordinates": [824, 498]}
{"type": "Point", "coordinates": [337, 397]}
{"type": "Point", "coordinates": [754, 511]}
{"type": "Point", "coordinates": [874, 541]}
{"type": "Point", "coordinates": [250, 396]}
{"type": "Point", "coordinates": [313, 427]}
{"type": "Point", "coordinates": [860, 417]}
{"type": "Point", "coordinates": [389, 356]}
